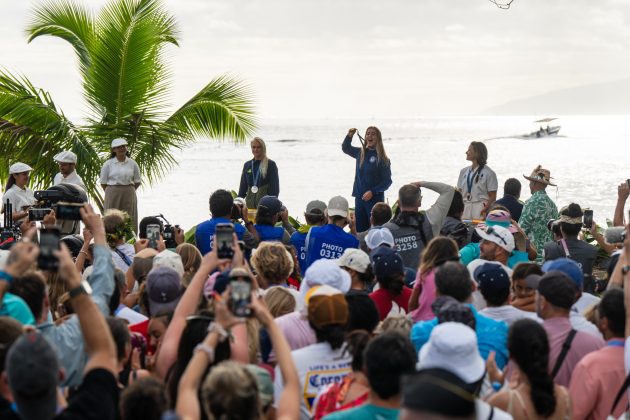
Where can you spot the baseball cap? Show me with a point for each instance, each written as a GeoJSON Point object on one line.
{"type": "Point", "coordinates": [499, 235]}
{"type": "Point", "coordinates": [558, 289]}
{"type": "Point", "coordinates": [387, 262]}
{"type": "Point", "coordinates": [378, 236]}
{"type": "Point", "coordinates": [499, 218]}
{"type": "Point", "coordinates": [119, 142]}
{"type": "Point", "coordinates": [338, 206]}
{"type": "Point", "coordinates": [163, 289]}
{"type": "Point", "coordinates": [491, 278]}
{"type": "Point", "coordinates": [326, 306]}
{"type": "Point", "coordinates": [170, 259]}
{"type": "Point", "coordinates": [315, 208]}
{"type": "Point", "coordinates": [270, 204]}
{"type": "Point", "coordinates": [325, 272]}
{"type": "Point", "coordinates": [33, 372]}
{"type": "Point", "coordinates": [355, 259]}
{"type": "Point", "coordinates": [453, 346]}
{"type": "Point", "coordinates": [568, 267]}
{"type": "Point", "coordinates": [19, 167]}
{"type": "Point", "coordinates": [65, 157]}
{"type": "Point", "coordinates": [264, 382]}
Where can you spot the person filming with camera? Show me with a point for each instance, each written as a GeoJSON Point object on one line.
{"type": "Point", "coordinates": [17, 192]}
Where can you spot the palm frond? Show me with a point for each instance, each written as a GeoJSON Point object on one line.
{"type": "Point", "coordinates": [33, 131]}
{"type": "Point", "coordinates": [223, 108]}
{"type": "Point", "coordinates": [129, 73]}
{"type": "Point", "coordinates": [66, 20]}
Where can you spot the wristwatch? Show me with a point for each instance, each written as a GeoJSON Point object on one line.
{"type": "Point", "coordinates": [625, 269]}
{"type": "Point", "coordinates": [79, 290]}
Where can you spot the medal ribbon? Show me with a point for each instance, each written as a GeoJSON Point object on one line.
{"type": "Point", "coordinates": [255, 175]}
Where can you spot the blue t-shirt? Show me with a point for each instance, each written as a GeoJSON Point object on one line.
{"type": "Point", "coordinates": [16, 308]}
{"type": "Point", "coordinates": [514, 206]}
{"type": "Point", "coordinates": [471, 252]}
{"type": "Point", "coordinates": [365, 412]}
{"type": "Point", "coordinates": [491, 336]}
{"type": "Point", "coordinates": [298, 240]}
{"type": "Point", "coordinates": [204, 234]}
{"type": "Point", "coordinates": [328, 241]}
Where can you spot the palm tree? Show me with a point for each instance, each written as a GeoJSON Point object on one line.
{"type": "Point", "coordinates": [126, 83]}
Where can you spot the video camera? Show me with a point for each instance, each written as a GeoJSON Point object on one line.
{"type": "Point", "coordinates": [10, 232]}
{"type": "Point", "coordinates": [64, 199]}
{"type": "Point", "coordinates": [169, 232]}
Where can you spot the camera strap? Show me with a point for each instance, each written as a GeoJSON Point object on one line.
{"type": "Point", "coordinates": [566, 346]}
{"type": "Point", "coordinates": [123, 257]}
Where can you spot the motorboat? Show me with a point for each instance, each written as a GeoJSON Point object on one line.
{"type": "Point", "coordinates": [545, 131]}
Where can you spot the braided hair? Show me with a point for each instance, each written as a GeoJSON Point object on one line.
{"type": "Point", "coordinates": [529, 348]}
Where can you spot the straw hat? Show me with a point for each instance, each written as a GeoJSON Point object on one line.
{"type": "Point", "coordinates": [540, 175]}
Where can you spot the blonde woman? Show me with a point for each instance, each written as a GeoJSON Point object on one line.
{"type": "Point", "coordinates": [260, 175]}
{"type": "Point", "coordinates": [373, 174]}
{"type": "Point", "coordinates": [273, 264]}
{"type": "Point", "coordinates": [191, 259]}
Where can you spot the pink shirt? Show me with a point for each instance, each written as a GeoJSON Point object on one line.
{"type": "Point", "coordinates": [296, 330]}
{"type": "Point", "coordinates": [427, 296]}
{"type": "Point", "coordinates": [596, 380]}
{"type": "Point", "coordinates": [584, 343]}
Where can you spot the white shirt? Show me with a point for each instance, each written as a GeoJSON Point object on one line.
{"type": "Point", "coordinates": [129, 251]}
{"type": "Point", "coordinates": [579, 323]}
{"type": "Point", "coordinates": [18, 197]}
{"type": "Point", "coordinates": [72, 178]}
{"type": "Point", "coordinates": [318, 365]}
{"type": "Point", "coordinates": [487, 182]}
{"type": "Point", "coordinates": [509, 314]}
{"type": "Point", "coordinates": [115, 172]}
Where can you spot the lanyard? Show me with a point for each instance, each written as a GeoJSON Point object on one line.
{"type": "Point", "coordinates": [469, 178]}
{"type": "Point", "coordinates": [616, 343]}
{"type": "Point", "coordinates": [255, 175]}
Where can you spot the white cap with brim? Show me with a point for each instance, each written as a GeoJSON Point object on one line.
{"type": "Point", "coordinates": [338, 206]}
{"type": "Point", "coordinates": [453, 346]}
{"type": "Point", "coordinates": [378, 236]}
{"type": "Point", "coordinates": [324, 272]}
{"type": "Point", "coordinates": [119, 142]}
{"type": "Point", "coordinates": [498, 235]}
{"type": "Point", "coordinates": [66, 157]}
{"type": "Point", "coordinates": [19, 167]}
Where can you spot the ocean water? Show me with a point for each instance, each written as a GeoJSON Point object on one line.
{"type": "Point", "coordinates": [587, 161]}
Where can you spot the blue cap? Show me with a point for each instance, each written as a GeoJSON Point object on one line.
{"type": "Point", "coordinates": [568, 267]}
{"type": "Point", "coordinates": [491, 277]}
{"type": "Point", "coordinates": [387, 262]}
{"type": "Point", "coordinates": [270, 204]}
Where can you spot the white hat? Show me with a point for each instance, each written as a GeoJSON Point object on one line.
{"type": "Point", "coordinates": [499, 235]}
{"type": "Point", "coordinates": [19, 167]}
{"type": "Point", "coordinates": [170, 259]}
{"type": "Point", "coordinates": [338, 206]}
{"type": "Point", "coordinates": [66, 157]}
{"type": "Point", "coordinates": [324, 271]}
{"type": "Point", "coordinates": [119, 142]}
{"type": "Point", "coordinates": [379, 236]}
{"type": "Point", "coordinates": [453, 346]}
{"type": "Point", "coordinates": [355, 259]}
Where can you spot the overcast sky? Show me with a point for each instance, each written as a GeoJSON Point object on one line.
{"type": "Point", "coordinates": [370, 58]}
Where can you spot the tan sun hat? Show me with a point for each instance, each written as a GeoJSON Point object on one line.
{"type": "Point", "coordinates": [540, 175]}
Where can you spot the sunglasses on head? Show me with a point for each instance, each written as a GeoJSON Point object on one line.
{"type": "Point", "coordinates": [492, 231]}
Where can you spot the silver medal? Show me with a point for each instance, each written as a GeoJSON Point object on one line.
{"type": "Point", "coordinates": [254, 189]}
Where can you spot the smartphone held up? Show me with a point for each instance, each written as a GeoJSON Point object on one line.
{"type": "Point", "coordinates": [240, 293]}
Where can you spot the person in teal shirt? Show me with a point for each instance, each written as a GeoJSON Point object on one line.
{"type": "Point", "coordinates": [387, 358]}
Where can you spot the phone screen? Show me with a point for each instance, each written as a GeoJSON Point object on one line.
{"type": "Point", "coordinates": [48, 244]}
{"type": "Point", "coordinates": [588, 219]}
{"type": "Point", "coordinates": [240, 297]}
{"type": "Point", "coordinates": [223, 240]}
{"type": "Point", "coordinates": [153, 235]}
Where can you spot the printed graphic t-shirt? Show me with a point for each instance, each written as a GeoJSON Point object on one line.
{"type": "Point", "coordinates": [318, 365]}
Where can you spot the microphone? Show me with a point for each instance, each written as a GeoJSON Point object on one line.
{"type": "Point", "coordinates": [615, 235]}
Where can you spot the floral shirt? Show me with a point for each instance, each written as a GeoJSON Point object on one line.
{"type": "Point", "coordinates": [537, 211]}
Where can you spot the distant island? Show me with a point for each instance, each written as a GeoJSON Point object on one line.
{"type": "Point", "coordinates": [595, 99]}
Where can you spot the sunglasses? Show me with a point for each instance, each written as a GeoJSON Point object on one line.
{"type": "Point", "coordinates": [491, 231]}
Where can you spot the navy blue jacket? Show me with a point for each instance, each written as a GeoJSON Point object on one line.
{"type": "Point", "coordinates": [373, 175]}
{"type": "Point", "coordinates": [512, 204]}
